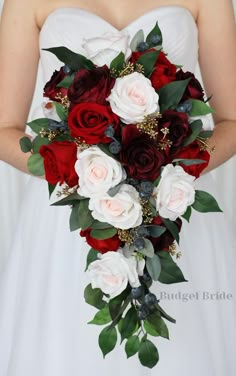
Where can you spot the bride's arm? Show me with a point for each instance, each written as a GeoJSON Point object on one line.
{"type": "Point", "coordinates": [19, 55]}
{"type": "Point", "coordinates": [217, 49]}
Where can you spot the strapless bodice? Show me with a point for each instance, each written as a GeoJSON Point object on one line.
{"type": "Point", "coordinates": [69, 26]}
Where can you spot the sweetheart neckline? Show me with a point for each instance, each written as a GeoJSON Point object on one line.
{"type": "Point", "coordinates": [164, 7]}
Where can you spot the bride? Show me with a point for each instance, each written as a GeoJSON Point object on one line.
{"type": "Point", "coordinates": [43, 317]}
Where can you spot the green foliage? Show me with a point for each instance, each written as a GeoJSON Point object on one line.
{"type": "Point", "coordinates": [155, 31]}
{"type": "Point", "coordinates": [156, 231]}
{"type": "Point", "coordinates": [74, 217]}
{"type": "Point", "coordinates": [94, 297]}
{"type": "Point", "coordinates": [199, 108]}
{"type": "Point", "coordinates": [38, 142]}
{"type": "Point", "coordinates": [148, 61]}
{"type": "Point", "coordinates": [132, 346]}
{"type": "Point", "coordinates": [37, 124]}
{"type": "Point", "coordinates": [61, 111]}
{"type": "Point", "coordinates": [129, 323]}
{"type": "Point", "coordinates": [196, 127]}
{"type": "Point", "coordinates": [35, 165]}
{"type": "Point", "coordinates": [92, 256]}
{"type": "Point", "coordinates": [85, 216]}
{"type": "Point", "coordinates": [67, 81]}
{"type": "Point", "coordinates": [158, 324]}
{"type": "Point", "coordinates": [118, 63]}
{"type": "Point", "coordinates": [69, 200]}
{"type": "Point", "coordinates": [187, 214]}
{"type": "Point", "coordinates": [205, 202]}
{"type": "Point", "coordinates": [25, 144]}
{"type": "Point", "coordinates": [188, 162]}
{"type": "Point", "coordinates": [148, 249]}
{"type": "Point", "coordinates": [102, 317]}
{"type": "Point", "coordinates": [73, 60]}
{"type": "Point", "coordinates": [148, 354]}
{"type": "Point", "coordinates": [107, 339]}
{"type": "Point", "coordinates": [170, 272]}
{"type": "Point", "coordinates": [104, 234]}
{"type": "Point", "coordinates": [137, 39]}
{"type": "Point", "coordinates": [154, 267]}
{"type": "Point", "coordinates": [172, 227]}
{"type": "Point", "coordinates": [171, 94]}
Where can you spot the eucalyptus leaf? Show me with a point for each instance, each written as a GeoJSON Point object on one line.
{"type": "Point", "coordinates": [107, 339]}
{"type": "Point", "coordinates": [156, 231]}
{"type": "Point", "coordinates": [105, 150]}
{"type": "Point", "coordinates": [73, 60]}
{"type": "Point", "coordinates": [113, 191]}
{"type": "Point", "coordinates": [37, 124]}
{"type": "Point", "coordinates": [154, 267]}
{"type": "Point", "coordinates": [25, 144]}
{"type": "Point", "coordinates": [35, 165]}
{"type": "Point", "coordinates": [148, 249]}
{"type": "Point", "coordinates": [148, 353]}
{"type": "Point", "coordinates": [170, 272]}
{"type": "Point", "coordinates": [94, 297]}
{"type": "Point", "coordinates": [188, 162]}
{"type": "Point", "coordinates": [39, 141]}
{"type": "Point", "coordinates": [137, 39]}
{"type": "Point", "coordinates": [85, 216]}
{"type": "Point", "coordinates": [205, 202]}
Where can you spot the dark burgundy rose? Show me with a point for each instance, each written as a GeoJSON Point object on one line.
{"type": "Point", "coordinates": [139, 155]}
{"type": "Point", "coordinates": [51, 90]}
{"type": "Point", "coordinates": [91, 86]}
{"type": "Point", "coordinates": [106, 245]}
{"type": "Point", "coordinates": [59, 162]}
{"type": "Point", "coordinates": [89, 121]}
{"type": "Point", "coordinates": [178, 126]}
{"type": "Point", "coordinates": [165, 240]}
{"type": "Point", "coordinates": [164, 71]}
{"type": "Point", "coordinates": [194, 89]}
{"type": "Point", "coordinates": [193, 151]}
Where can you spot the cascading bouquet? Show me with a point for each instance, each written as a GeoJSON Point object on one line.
{"type": "Point", "coordinates": [123, 142]}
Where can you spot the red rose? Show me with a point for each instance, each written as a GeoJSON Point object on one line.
{"type": "Point", "coordinates": [89, 121]}
{"type": "Point", "coordinates": [193, 151]}
{"type": "Point", "coordinates": [194, 89]}
{"type": "Point", "coordinates": [59, 161]}
{"type": "Point", "coordinates": [91, 86]}
{"type": "Point", "coordinates": [51, 90]}
{"type": "Point", "coordinates": [178, 126]}
{"type": "Point", "coordinates": [165, 240]}
{"type": "Point", "coordinates": [164, 71]}
{"type": "Point", "coordinates": [106, 245]}
{"type": "Point", "coordinates": [139, 154]}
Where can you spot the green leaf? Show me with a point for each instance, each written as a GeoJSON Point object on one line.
{"type": "Point", "coordinates": [105, 150]}
{"type": "Point", "coordinates": [196, 127]}
{"type": "Point", "coordinates": [158, 325]}
{"type": "Point", "coordinates": [37, 124]}
{"type": "Point", "coordinates": [92, 256]}
{"type": "Point", "coordinates": [51, 188]}
{"type": "Point", "coordinates": [69, 200]}
{"type": "Point", "coordinates": [104, 234]}
{"type": "Point", "coordinates": [154, 267]}
{"type": "Point", "coordinates": [187, 214]}
{"type": "Point", "coordinates": [35, 165]}
{"type": "Point", "coordinates": [206, 134]}
{"type": "Point", "coordinates": [155, 31]}
{"type": "Point", "coordinates": [205, 202]}
{"type": "Point", "coordinates": [25, 144]}
{"type": "Point", "coordinates": [157, 181]}
{"type": "Point", "coordinates": [102, 317]}
{"type": "Point", "coordinates": [199, 108]}
{"type": "Point", "coordinates": [94, 297]}
{"type": "Point", "coordinates": [74, 217]}
{"type": "Point", "coordinates": [115, 304]}
{"type": "Point", "coordinates": [38, 142]}
{"type": "Point", "coordinates": [85, 216]}
{"type": "Point", "coordinates": [148, 249]}
{"type": "Point", "coordinates": [172, 227]}
{"type": "Point", "coordinates": [67, 81]}
{"type": "Point", "coordinates": [150, 330]}
{"type": "Point", "coordinates": [148, 354]}
{"type": "Point", "coordinates": [171, 94]}
{"type": "Point", "coordinates": [129, 323]}
{"type": "Point", "coordinates": [113, 191]}
{"type": "Point", "coordinates": [156, 231]}
{"type": "Point", "coordinates": [132, 346]}
{"type": "Point", "coordinates": [170, 272]}
{"type": "Point", "coordinates": [61, 111]}
{"type": "Point", "coordinates": [118, 63]}
{"type": "Point", "coordinates": [188, 162]}
{"type": "Point", "coordinates": [96, 225]}
{"type": "Point", "coordinates": [107, 339]}
{"type": "Point", "coordinates": [148, 61]}
{"type": "Point", "coordinates": [137, 39]}
{"type": "Point", "coordinates": [164, 314]}
{"type": "Point", "coordinates": [73, 60]}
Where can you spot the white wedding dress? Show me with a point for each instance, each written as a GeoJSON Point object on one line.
{"type": "Point", "coordinates": [43, 316]}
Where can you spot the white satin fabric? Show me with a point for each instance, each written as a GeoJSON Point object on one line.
{"type": "Point", "coordinates": [43, 330]}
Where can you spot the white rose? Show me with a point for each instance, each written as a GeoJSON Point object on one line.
{"type": "Point", "coordinates": [102, 50]}
{"type": "Point", "coordinates": [112, 272]}
{"type": "Point", "coordinates": [121, 211]}
{"type": "Point", "coordinates": [97, 172]}
{"type": "Point", "coordinates": [175, 192]}
{"type": "Point", "coordinates": [133, 97]}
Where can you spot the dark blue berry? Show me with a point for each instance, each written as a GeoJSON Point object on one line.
{"type": "Point", "coordinates": [146, 186]}
{"type": "Point", "coordinates": [184, 107]}
{"type": "Point", "coordinates": [67, 70]}
{"type": "Point", "coordinates": [150, 299]}
{"type": "Point", "coordinates": [139, 243]}
{"type": "Point", "coordinates": [143, 46]}
{"type": "Point", "coordinates": [137, 292]}
{"type": "Point", "coordinates": [143, 312]}
{"type": "Point", "coordinates": [142, 231]}
{"type": "Point", "coordinates": [110, 131]}
{"type": "Point", "coordinates": [144, 195]}
{"type": "Point", "coordinates": [58, 125]}
{"type": "Point", "coordinates": [155, 40]}
{"type": "Point", "coordinates": [115, 147]}
{"type": "Point", "coordinates": [133, 182]}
